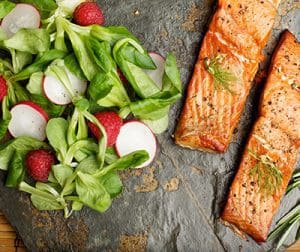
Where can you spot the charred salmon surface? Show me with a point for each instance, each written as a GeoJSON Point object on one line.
{"type": "Point", "coordinates": [272, 149]}
{"type": "Point", "coordinates": [228, 61]}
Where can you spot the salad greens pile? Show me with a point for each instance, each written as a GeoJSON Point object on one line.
{"type": "Point", "coordinates": [86, 172]}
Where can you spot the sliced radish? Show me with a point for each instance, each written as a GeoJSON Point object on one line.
{"type": "Point", "coordinates": [56, 92]}
{"type": "Point", "coordinates": [157, 74]}
{"type": "Point", "coordinates": [135, 135]}
{"type": "Point", "coordinates": [22, 16]}
{"type": "Point", "coordinates": [28, 119]}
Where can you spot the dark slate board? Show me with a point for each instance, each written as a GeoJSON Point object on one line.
{"type": "Point", "coordinates": [182, 220]}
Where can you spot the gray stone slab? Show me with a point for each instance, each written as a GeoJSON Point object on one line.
{"type": "Point", "coordinates": [147, 213]}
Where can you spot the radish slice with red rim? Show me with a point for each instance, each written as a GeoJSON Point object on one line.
{"type": "Point", "coordinates": [56, 92]}
{"type": "Point", "coordinates": [22, 16]}
{"type": "Point", "coordinates": [157, 74]}
{"type": "Point", "coordinates": [135, 135]}
{"type": "Point", "coordinates": [28, 119]}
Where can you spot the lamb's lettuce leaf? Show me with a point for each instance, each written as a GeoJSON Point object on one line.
{"type": "Point", "coordinates": [92, 193]}
{"type": "Point", "coordinates": [101, 53]}
{"type": "Point", "coordinates": [6, 117]}
{"type": "Point", "coordinates": [108, 90]}
{"type": "Point", "coordinates": [73, 66]}
{"type": "Point", "coordinates": [132, 160]}
{"type": "Point", "coordinates": [132, 59]}
{"type": "Point", "coordinates": [51, 109]}
{"type": "Point", "coordinates": [34, 85]}
{"type": "Point", "coordinates": [158, 126]}
{"type": "Point", "coordinates": [33, 41]}
{"type": "Point", "coordinates": [16, 170]}
{"type": "Point", "coordinates": [111, 34]}
{"type": "Point", "coordinates": [56, 132]}
{"type": "Point", "coordinates": [154, 108]}
{"type": "Point", "coordinates": [112, 183]}
{"type": "Point", "coordinates": [5, 8]}
{"type": "Point", "coordinates": [62, 173]}
{"type": "Point", "coordinates": [20, 59]}
{"type": "Point", "coordinates": [40, 64]}
{"type": "Point", "coordinates": [78, 36]}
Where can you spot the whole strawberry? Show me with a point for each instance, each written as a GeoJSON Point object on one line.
{"type": "Point", "coordinates": [88, 13]}
{"type": "Point", "coordinates": [112, 123]}
{"type": "Point", "coordinates": [3, 88]}
{"type": "Point", "coordinates": [38, 164]}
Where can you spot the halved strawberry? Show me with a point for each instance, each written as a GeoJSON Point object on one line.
{"type": "Point", "coordinates": [112, 123]}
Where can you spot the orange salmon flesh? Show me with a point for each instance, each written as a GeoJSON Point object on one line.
{"type": "Point", "coordinates": [276, 134]}
{"type": "Point", "coordinates": [239, 30]}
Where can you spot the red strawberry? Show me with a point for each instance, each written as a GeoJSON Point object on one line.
{"type": "Point", "coordinates": [3, 88]}
{"type": "Point", "coordinates": [122, 76]}
{"type": "Point", "coordinates": [88, 13]}
{"type": "Point", "coordinates": [112, 124]}
{"type": "Point", "coordinates": [38, 163]}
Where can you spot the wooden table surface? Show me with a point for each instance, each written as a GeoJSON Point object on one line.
{"type": "Point", "coordinates": [11, 242]}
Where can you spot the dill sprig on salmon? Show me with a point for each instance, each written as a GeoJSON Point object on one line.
{"type": "Point", "coordinates": [222, 78]}
{"type": "Point", "coordinates": [269, 177]}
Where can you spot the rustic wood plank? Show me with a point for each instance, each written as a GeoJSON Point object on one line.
{"type": "Point", "coordinates": [6, 227]}
{"type": "Point", "coordinates": [10, 242]}
{"type": "Point", "coordinates": [294, 248]}
{"type": "Point", "coordinates": [8, 235]}
{"type": "Point", "coordinates": [12, 249]}
{"type": "Point", "coordinates": [3, 220]}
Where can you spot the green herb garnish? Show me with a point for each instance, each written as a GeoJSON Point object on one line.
{"type": "Point", "coordinates": [269, 177]}
{"type": "Point", "coordinates": [222, 78]}
{"type": "Point", "coordinates": [295, 181]}
{"type": "Point", "coordinates": [284, 227]}
{"type": "Point", "coordinates": [286, 224]}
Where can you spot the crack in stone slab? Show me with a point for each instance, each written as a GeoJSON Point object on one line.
{"type": "Point", "coordinates": [191, 194]}
{"type": "Point", "coordinates": [215, 208]}
{"type": "Point", "coordinates": [172, 244]}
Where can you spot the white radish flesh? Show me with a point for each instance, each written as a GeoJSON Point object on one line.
{"type": "Point", "coordinates": [56, 92]}
{"type": "Point", "coordinates": [69, 5]}
{"type": "Point", "coordinates": [157, 74]}
{"type": "Point", "coordinates": [22, 16]}
{"type": "Point", "coordinates": [28, 119]}
{"type": "Point", "coordinates": [134, 136]}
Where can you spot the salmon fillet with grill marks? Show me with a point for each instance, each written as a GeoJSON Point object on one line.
{"type": "Point", "coordinates": [276, 137]}
{"type": "Point", "coordinates": [238, 32]}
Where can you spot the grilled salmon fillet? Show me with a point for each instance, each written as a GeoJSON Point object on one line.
{"type": "Point", "coordinates": [237, 34]}
{"type": "Point", "coordinates": [272, 149]}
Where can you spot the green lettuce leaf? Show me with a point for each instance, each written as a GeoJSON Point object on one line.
{"type": "Point", "coordinates": [33, 41]}
{"type": "Point", "coordinates": [5, 8]}
{"type": "Point", "coordinates": [39, 65]}
{"type": "Point", "coordinates": [92, 193]}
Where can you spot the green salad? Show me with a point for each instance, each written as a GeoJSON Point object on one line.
{"type": "Point", "coordinates": [60, 74]}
